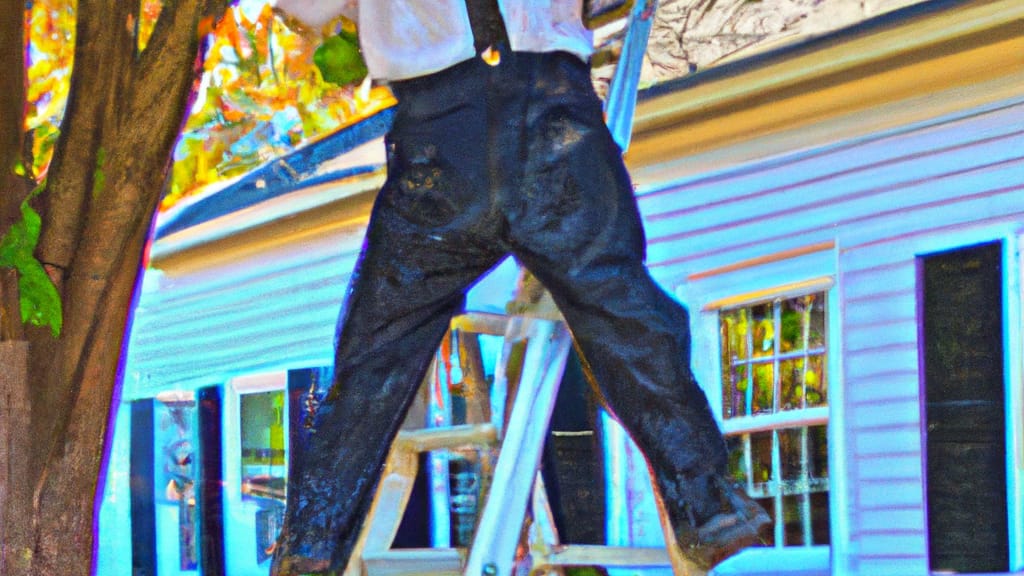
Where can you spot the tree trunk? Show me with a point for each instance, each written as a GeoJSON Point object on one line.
{"type": "Point", "coordinates": [14, 486]}
{"type": "Point", "coordinates": [124, 113]}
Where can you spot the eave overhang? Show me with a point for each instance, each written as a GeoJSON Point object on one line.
{"type": "Point", "coordinates": [913, 64]}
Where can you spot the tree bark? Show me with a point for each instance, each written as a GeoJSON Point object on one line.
{"type": "Point", "coordinates": [15, 487]}
{"type": "Point", "coordinates": [124, 113]}
{"type": "Point", "coordinates": [13, 188]}
{"type": "Point", "coordinates": [15, 484]}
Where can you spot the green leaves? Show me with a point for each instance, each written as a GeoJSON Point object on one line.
{"type": "Point", "coordinates": [339, 59]}
{"type": "Point", "coordinates": [40, 303]}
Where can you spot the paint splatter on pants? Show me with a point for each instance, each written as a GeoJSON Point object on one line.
{"type": "Point", "coordinates": [486, 161]}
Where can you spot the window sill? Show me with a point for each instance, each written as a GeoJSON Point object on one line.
{"type": "Point", "coordinates": [1017, 573]}
{"type": "Point", "coordinates": [796, 561]}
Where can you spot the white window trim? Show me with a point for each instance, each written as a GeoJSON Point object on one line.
{"type": "Point", "coordinates": [800, 274]}
{"type": "Point", "coordinates": [1013, 357]}
{"type": "Point", "coordinates": [790, 290]}
{"type": "Point", "coordinates": [776, 421]}
{"type": "Point", "coordinates": [816, 416]}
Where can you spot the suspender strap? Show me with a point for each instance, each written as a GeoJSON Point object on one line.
{"type": "Point", "coordinates": [488, 27]}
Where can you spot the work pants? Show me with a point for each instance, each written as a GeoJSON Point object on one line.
{"type": "Point", "coordinates": [483, 162]}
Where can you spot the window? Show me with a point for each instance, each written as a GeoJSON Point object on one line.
{"type": "Point", "coordinates": [175, 475]}
{"type": "Point", "coordinates": [263, 450]}
{"type": "Point", "coordinates": [775, 411]}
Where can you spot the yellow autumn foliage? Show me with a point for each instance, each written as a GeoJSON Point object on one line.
{"type": "Point", "coordinates": [260, 96]}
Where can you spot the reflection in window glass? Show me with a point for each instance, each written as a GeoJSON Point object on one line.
{"type": "Point", "coordinates": [263, 444]}
{"type": "Point", "coordinates": [772, 356]}
{"type": "Point", "coordinates": [175, 419]}
{"type": "Point", "coordinates": [264, 464]}
{"type": "Point", "coordinates": [774, 361]}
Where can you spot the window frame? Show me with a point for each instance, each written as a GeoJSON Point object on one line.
{"type": "Point", "coordinates": [789, 273]}
{"type": "Point", "coordinates": [778, 420]}
{"type": "Point", "coordinates": [236, 504]}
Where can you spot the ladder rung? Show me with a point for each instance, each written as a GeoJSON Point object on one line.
{"type": "Point", "coordinates": [428, 439]}
{"type": "Point", "coordinates": [606, 556]}
{"type": "Point", "coordinates": [481, 323]}
{"type": "Point", "coordinates": [415, 561]}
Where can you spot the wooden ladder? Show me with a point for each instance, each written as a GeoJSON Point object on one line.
{"type": "Point", "coordinates": [519, 433]}
{"type": "Point", "coordinates": [540, 347]}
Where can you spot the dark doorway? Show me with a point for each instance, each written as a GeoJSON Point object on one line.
{"type": "Point", "coordinates": [142, 461]}
{"type": "Point", "coordinates": [962, 315]}
{"type": "Point", "coordinates": [211, 481]}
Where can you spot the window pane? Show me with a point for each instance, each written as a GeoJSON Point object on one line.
{"type": "Point", "coordinates": [793, 324]}
{"type": "Point", "coordinates": [821, 532]}
{"type": "Point", "coordinates": [791, 374]}
{"type": "Point", "coordinates": [791, 457]}
{"type": "Point", "coordinates": [735, 371]}
{"type": "Point", "coordinates": [738, 463]}
{"type": "Point", "coordinates": [816, 335]}
{"type": "Point", "coordinates": [795, 514]}
{"type": "Point", "coordinates": [816, 382]}
{"type": "Point", "coordinates": [761, 459]}
{"type": "Point", "coordinates": [817, 447]}
{"type": "Point", "coordinates": [263, 444]}
{"type": "Point", "coordinates": [734, 391]}
{"type": "Point", "coordinates": [764, 388]}
{"type": "Point", "coordinates": [734, 325]}
{"type": "Point", "coordinates": [763, 322]}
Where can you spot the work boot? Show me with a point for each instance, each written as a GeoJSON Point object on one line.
{"type": "Point", "coordinates": [289, 564]}
{"type": "Point", "coordinates": [299, 566]}
{"type": "Point", "coordinates": [736, 527]}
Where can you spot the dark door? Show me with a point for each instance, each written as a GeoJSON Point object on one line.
{"type": "Point", "coordinates": [966, 429]}
{"type": "Point", "coordinates": [211, 481]}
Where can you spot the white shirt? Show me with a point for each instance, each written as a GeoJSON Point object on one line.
{"type": "Point", "coordinates": [407, 38]}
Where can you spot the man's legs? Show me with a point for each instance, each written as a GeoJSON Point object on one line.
{"type": "Point", "coordinates": [420, 256]}
{"type": "Point", "coordinates": [575, 225]}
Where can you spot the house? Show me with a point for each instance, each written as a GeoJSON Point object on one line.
{"type": "Point", "coordinates": [842, 217]}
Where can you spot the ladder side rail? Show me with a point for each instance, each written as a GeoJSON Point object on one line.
{"type": "Point", "coordinates": [495, 543]}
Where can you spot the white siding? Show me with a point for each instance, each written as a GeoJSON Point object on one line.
{"type": "Point", "coordinates": [265, 312]}
{"type": "Point", "coordinates": [231, 310]}
{"type": "Point", "coordinates": [880, 201]}
{"type": "Point", "coordinates": [861, 192]}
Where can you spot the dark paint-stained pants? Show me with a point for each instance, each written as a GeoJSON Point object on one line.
{"type": "Point", "coordinates": [486, 161]}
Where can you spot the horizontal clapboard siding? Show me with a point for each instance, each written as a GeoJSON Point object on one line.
{"type": "Point", "coordinates": [875, 204]}
{"type": "Point", "coordinates": [267, 311]}
{"type": "Point", "coordinates": [227, 309]}
{"type": "Point", "coordinates": [859, 192]}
